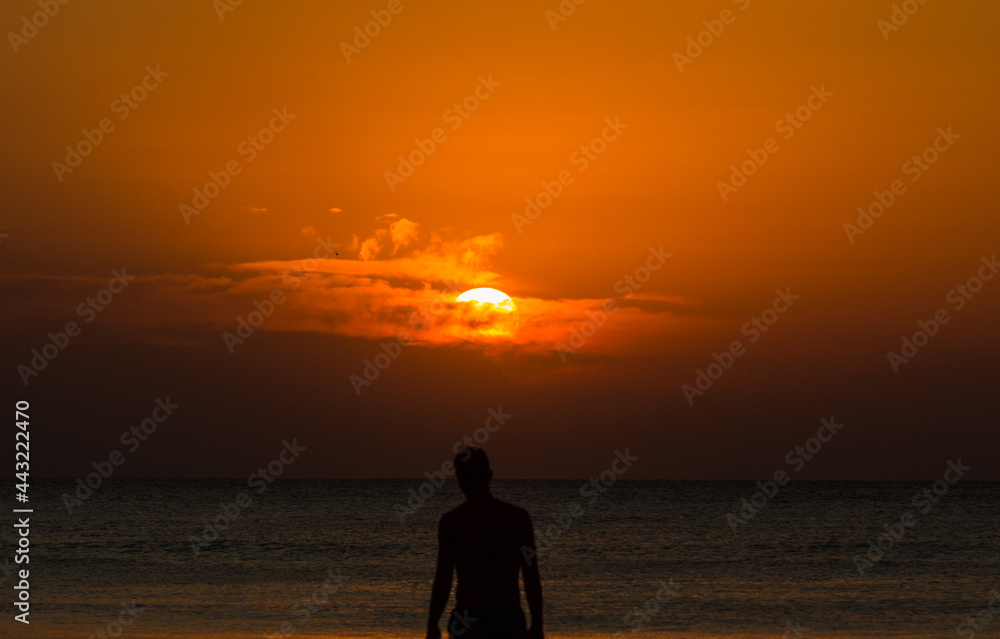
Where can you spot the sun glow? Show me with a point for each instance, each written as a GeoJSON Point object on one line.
{"type": "Point", "coordinates": [488, 312]}
{"type": "Point", "coordinates": [492, 296]}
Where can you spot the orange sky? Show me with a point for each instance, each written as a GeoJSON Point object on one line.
{"type": "Point", "coordinates": [592, 108]}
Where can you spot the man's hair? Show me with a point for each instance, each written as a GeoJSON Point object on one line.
{"type": "Point", "coordinates": [472, 466]}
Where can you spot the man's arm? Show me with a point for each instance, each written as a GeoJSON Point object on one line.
{"type": "Point", "coordinates": [532, 579]}
{"type": "Point", "coordinates": [441, 589]}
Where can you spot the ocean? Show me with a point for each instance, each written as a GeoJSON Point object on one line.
{"type": "Point", "coordinates": [341, 558]}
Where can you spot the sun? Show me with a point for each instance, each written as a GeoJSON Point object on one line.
{"type": "Point", "coordinates": [481, 296]}
{"type": "Point", "coordinates": [487, 312]}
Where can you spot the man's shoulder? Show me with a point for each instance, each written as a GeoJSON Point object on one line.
{"type": "Point", "coordinates": [451, 515]}
{"type": "Point", "coordinates": [506, 508]}
{"type": "Point", "coordinates": [513, 511]}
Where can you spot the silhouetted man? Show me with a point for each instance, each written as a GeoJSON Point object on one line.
{"type": "Point", "coordinates": [482, 541]}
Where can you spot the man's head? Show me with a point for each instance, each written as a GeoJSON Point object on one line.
{"type": "Point", "coordinates": [472, 468]}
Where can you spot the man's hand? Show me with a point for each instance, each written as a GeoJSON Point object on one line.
{"type": "Point", "coordinates": [433, 632]}
{"type": "Point", "coordinates": [534, 632]}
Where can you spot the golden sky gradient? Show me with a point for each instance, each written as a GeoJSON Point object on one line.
{"type": "Point", "coordinates": [594, 108]}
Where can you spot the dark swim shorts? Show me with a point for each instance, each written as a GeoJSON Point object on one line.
{"type": "Point", "coordinates": [487, 623]}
